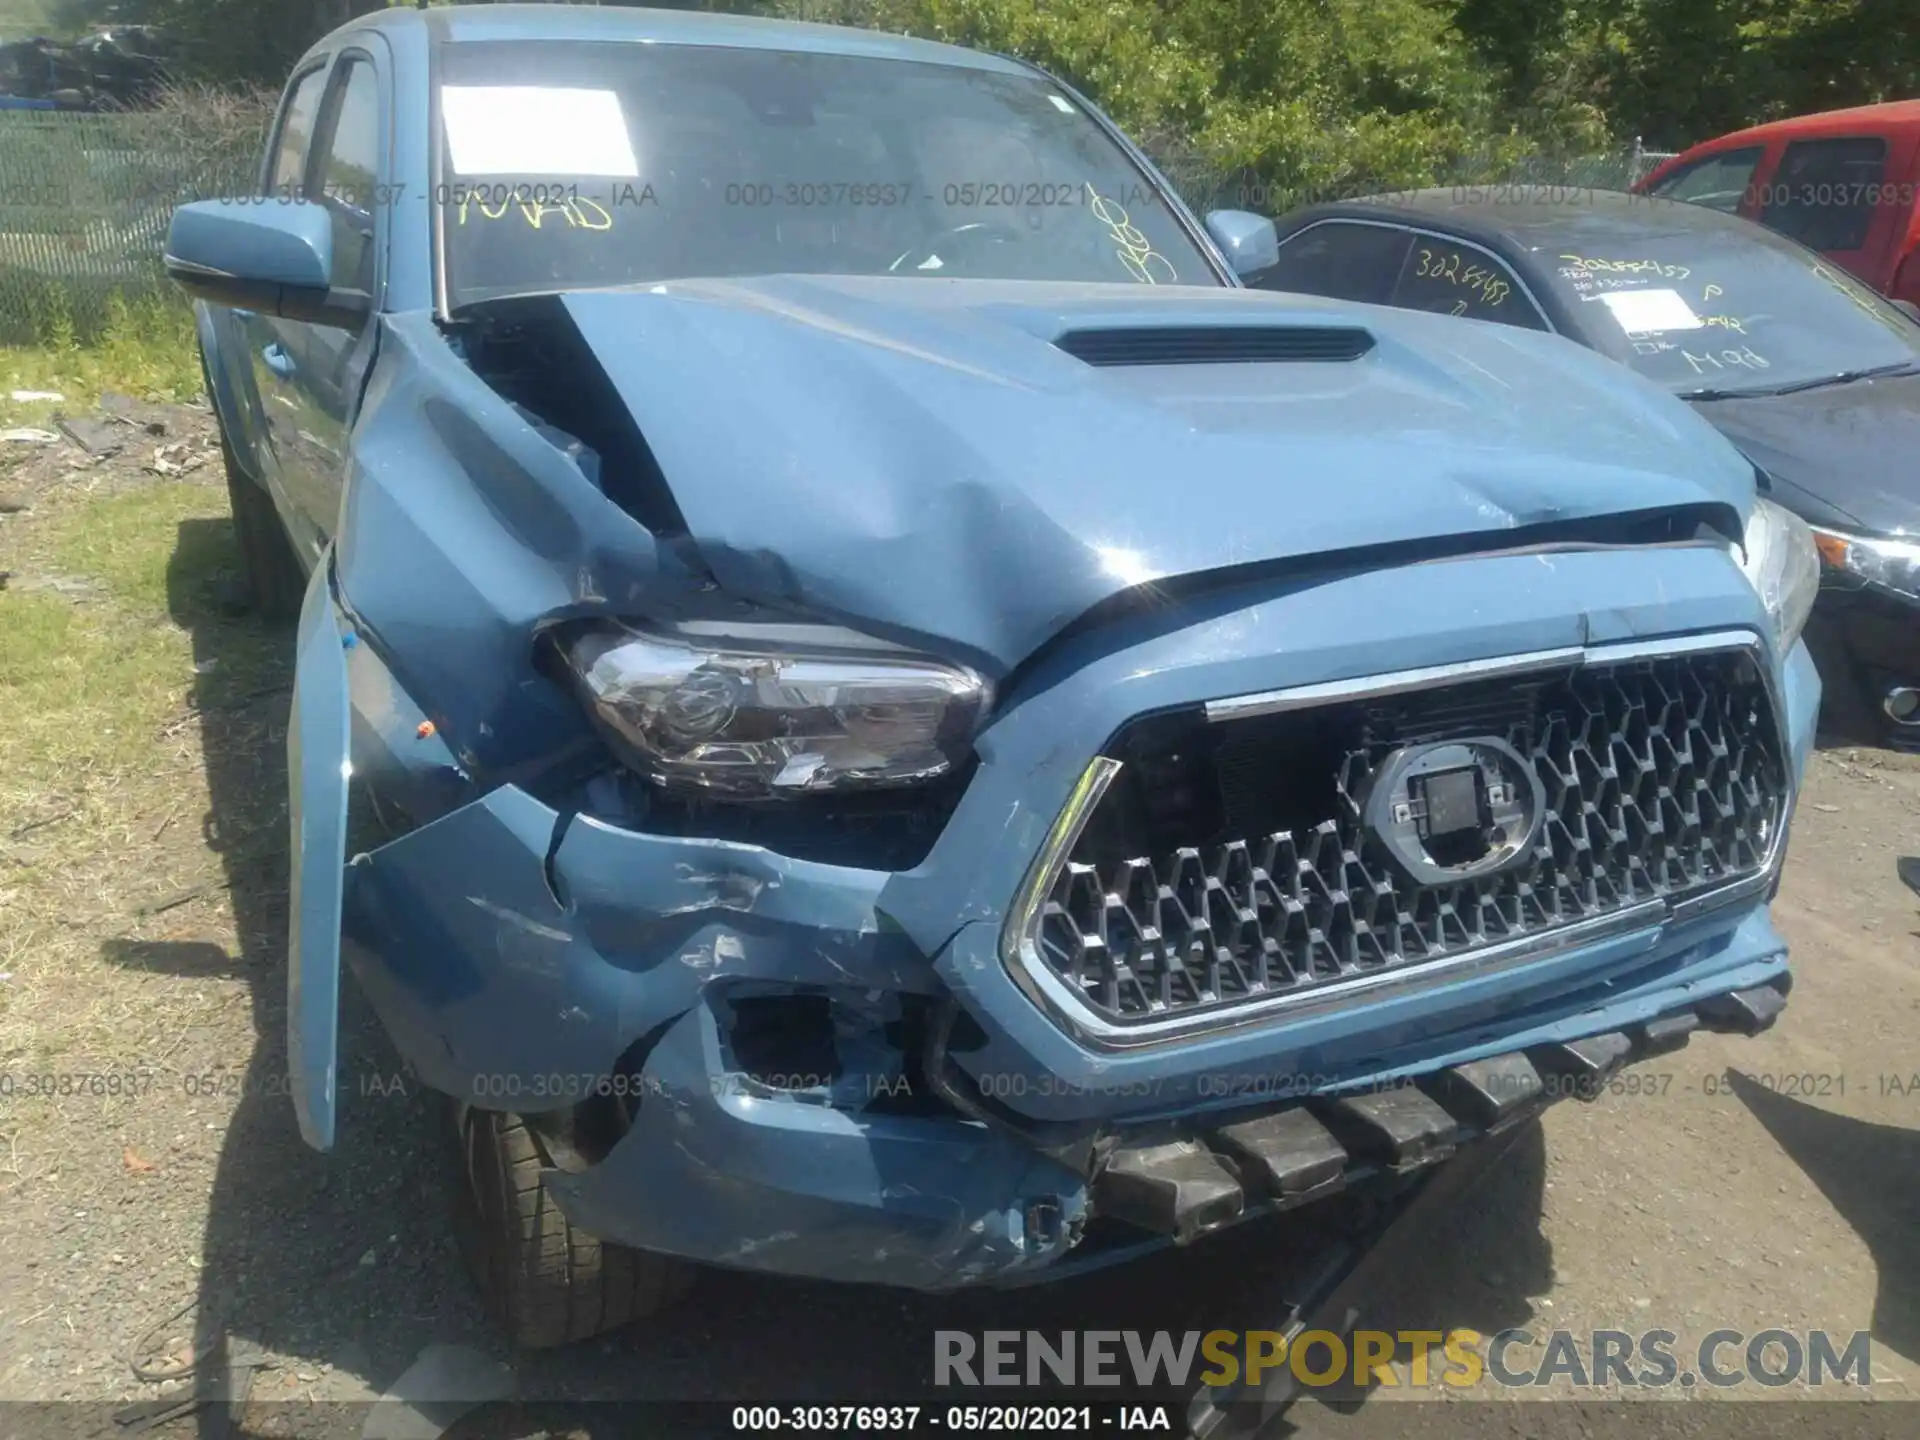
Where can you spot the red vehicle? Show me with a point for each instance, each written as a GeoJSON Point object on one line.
{"type": "Point", "coordinates": [1845, 183]}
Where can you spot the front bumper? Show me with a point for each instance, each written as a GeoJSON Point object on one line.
{"type": "Point", "coordinates": [517, 955]}
{"type": "Point", "coordinates": [719, 1176]}
{"type": "Point", "coordinates": [1865, 640]}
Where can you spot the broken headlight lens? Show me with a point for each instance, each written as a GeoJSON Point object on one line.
{"type": "Point", "coordinates": [773, 711]}
{"type": "Point", "coordinates": [1779, 560]}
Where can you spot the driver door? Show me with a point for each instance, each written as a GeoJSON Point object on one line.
{"type": "Point", "coordinates": [326, 365]}
{"type": "Point", "coordinates": [266, 338]}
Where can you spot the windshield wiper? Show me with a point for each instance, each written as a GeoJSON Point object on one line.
{"type": "Point", "coordinates": [1844, 377]}
{"type": "Point", "coordinates": [1711, 394]}
{"type": "Point", "coordinates": [1847, 377]}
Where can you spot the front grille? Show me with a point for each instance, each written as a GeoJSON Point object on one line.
{"type": "Point", "coordinates": [1229, 862]}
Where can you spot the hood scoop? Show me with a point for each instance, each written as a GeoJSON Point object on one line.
{"type": "Point", "coordinates": [1215, 344]}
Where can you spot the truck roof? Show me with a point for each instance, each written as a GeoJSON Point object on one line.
{"type": "Point", "coordinates": [1889, 115]}
{"type": "Point", "coordinates": [463, 24]}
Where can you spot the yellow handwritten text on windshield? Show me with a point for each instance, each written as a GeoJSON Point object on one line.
{"type": "Point", "coordinates": [1744, 358]}
{"type": "Point", "coordinates": [1860, 302]}
{"type": "Point", "coordinates": [1626, 267]}
{"type": "Point", "coordinates": [1452, 266]}
{"type": "Point", "coordinates": [577, 211]}
{"type": "Point", "coordinates": [1136, 252]}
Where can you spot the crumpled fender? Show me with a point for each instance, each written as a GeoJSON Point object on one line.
{"type": "Point", "coordinates": [318, 765]}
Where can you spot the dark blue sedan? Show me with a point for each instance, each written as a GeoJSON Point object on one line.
{"type": "Point", "coordinates": [1808, 371]}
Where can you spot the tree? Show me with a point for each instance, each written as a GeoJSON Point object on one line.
{"type": "Point", "coordinates": [1309, 97]}
{"type": "Point", "coordinates": [252, 41]}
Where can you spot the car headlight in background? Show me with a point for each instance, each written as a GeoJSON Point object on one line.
{"type": "Point", "coordinates": [772, 711]}
{"type": "Point", "coordinates": [1780, 560]}
{"type": "Point", "coordinates": [1889, 562]}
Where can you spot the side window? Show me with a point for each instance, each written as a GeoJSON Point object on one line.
{"type": "Point", "coordinates": [1824, 192]}
{"type": "Point", "coordinates": [346, 171]}
{"type": "Point", "coordinates": [296, 128]}
{"type": "Point", "coordinates": [1718, 181]}
{"type": "Point", "coordinates": [1342, 260]}
{"type": "Point", "coordinates": [1450, 278]}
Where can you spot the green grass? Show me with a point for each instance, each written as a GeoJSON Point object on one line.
{"type": "Point", "coordinates": [84, 684]}
{"type": "Point", "coordinates": [87, 683]}
{"type": "Point", "coordinates": [86, 676]}
{"type": "Point", "coordinates": [122, 672]}
{"type": "Point", "coordinates": [128, 543]}
{"type": "Point", "coordinates": [122, 667]}
{"type": "Point", "coordinates": [145, 349]}
{"type": "Point", "coordinates": [80, 696]}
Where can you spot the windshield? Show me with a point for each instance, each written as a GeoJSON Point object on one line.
{"type": "Point", "coordinates": [1722, 310]}
{"type": "Point", "coordinates": [580, 165]}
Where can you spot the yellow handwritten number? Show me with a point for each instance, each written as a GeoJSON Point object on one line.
{"type": "Point", "coordinates": [1478, 278]}
{"type": "Point", "coordinates": [1629, 267]}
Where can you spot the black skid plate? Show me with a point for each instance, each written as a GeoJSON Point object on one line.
{"type": "Point", "coordinates": [1184, 1184]}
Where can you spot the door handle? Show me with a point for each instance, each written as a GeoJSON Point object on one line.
{"type": "Point", "coordinates": [242, 315]}
{"type": "Point", "coordinates": [278, 361]}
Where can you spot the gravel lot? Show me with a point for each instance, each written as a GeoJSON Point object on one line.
{"type": "Point", "coordinates": [1755, 1183]}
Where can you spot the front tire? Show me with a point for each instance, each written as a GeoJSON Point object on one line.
{"type": "Point", "coordinates": [543, 1282]}
{"type": "Point", "coordinates": [272, 574]}
{"type": "Point", "coordinates": [268, 564]}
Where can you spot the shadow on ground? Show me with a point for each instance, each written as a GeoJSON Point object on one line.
{"type": "Point", "coordinates": [1868, 1173]}
{"type": "Point", "coordinates": [340, 1259]}
{"type": "Point", "coordinates": [344, 1262]}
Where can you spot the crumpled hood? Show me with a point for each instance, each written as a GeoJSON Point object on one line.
{"type": "Point", "coordinates": [917, 453]}
{"type": "Point", "coordinates": [1848, 455]}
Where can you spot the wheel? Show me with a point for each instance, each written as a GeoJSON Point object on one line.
{"type": "Point", "coordinates": [275, 583]}
{"type": "Point", "coordinates": [543, 1281]}
{"type": "Point", "coordinates": [267, 560]}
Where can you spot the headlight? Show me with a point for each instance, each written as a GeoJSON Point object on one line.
{"type": "Point", "coordinates": [1892, 563]}
{"type": "Point", "coordinates": [1783, 567]}
{"type": "Point", "coordinates": [773, 711]}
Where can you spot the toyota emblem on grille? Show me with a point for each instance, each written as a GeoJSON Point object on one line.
{"type": "Point", "coordinates": [1455, 811]}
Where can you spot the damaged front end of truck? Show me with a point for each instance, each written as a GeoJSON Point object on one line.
{"type": "Point", "coordinates": [928, 792]}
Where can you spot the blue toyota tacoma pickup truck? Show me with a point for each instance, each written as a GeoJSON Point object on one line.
{"type": "Point", "coordinates": [865, 709]}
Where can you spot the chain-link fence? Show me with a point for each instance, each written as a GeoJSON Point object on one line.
{"type": "Point", "coordinates": [84, 204]}
{"type": "Point", "coordinates": [85, 198]}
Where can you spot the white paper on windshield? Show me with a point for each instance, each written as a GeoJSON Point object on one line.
{"type": "Point", "coordinates": [536, 130]}
{"type": "Point", "coordinates": [1647, 312]}
{"type": "Point", "coordinates": [1063, 105]}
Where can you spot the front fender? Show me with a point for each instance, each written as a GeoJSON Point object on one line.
{"type": "Point", "coordinates": [318, 764]}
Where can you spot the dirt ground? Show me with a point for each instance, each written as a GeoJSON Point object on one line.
{"type": "Point", "coordinates": [1753, 1184]}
